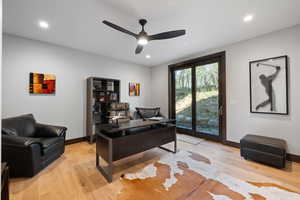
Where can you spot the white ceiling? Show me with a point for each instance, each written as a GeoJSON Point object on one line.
{"type": "Point", "coordinates": [209, 24]}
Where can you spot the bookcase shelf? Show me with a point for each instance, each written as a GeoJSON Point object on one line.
{"type": "Point", "coordinates": [101, 92]}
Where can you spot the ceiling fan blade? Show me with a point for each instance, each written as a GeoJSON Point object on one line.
{"type": "Point", "coordinates": [139, 49]}
{"type": "Point", "coordinates": [119, 28]}
{"type": "Point", "coordinates": [167, 35]}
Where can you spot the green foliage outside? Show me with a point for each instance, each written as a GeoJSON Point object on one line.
{"type": "Point", "coordinates": [206, 98]}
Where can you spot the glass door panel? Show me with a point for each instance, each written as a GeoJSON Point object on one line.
{"type": "Point", "coordinates": [183, 98]}
{"type": "Point", "coordinates": [207, 99]}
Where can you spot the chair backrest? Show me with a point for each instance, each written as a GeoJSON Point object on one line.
{"type": "Point", "coordinates": [148, 112]}
{"type": "Point", "coordinates": [23, 125]}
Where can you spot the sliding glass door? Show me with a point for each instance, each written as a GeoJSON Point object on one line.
{"type": "Point", "coordinates": [197, 96]}
{"type": "Point", "coordinates": [207, 99]}
{"type": "Point", "coordinates": [183, 98]}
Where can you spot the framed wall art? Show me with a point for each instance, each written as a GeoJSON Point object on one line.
{"type": "Point", "coordinates": [134, 89]}
{"type": "Point", "coordinates": [42, 83]}
{"type": "Point", "coordinates": [269, 86]}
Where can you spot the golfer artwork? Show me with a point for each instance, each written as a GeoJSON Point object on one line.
{"type": "Point", "coordinates": [267, 81]}
{"type": "Point", "coordinates": [268, 89]}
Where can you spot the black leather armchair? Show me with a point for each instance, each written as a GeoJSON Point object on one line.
{"type": "Point", "coordinates": [28, 147]}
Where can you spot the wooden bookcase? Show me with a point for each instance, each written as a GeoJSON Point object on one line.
{"type": "Point", "coordinates": [101, 92]}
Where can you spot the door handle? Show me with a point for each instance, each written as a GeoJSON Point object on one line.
{"type": "Point", "coordinates": [221, 110]}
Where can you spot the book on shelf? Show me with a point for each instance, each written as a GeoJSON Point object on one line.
{"type": "Point", "coordinates": [98, 85]}
{"type": "Point", "coordinates": [110, 86]}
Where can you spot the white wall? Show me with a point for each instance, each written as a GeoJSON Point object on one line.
{"type": "Point", "coordinates": [239, 120]}
{"type": "Point", "coordinates": [71, 67]}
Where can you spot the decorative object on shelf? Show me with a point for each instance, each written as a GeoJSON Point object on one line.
{"type": "Point", "coordinates": [134, 89]}
{"type": "Point", "coordinates": [102, 97]}
{"type": "Point", "coordinates": [113, 96]}
{"type": "Point", "coordinates": [42, 83]}
{"type": "Point", "coordinates": [269, 86]}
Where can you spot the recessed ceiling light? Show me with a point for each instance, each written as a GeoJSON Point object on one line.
{"type": "Point", "coordinates": [43, 24]}
{"type": "Point", "coordinates": [148, 56]}
{"type": "Point", "coordinates": [248, 18]}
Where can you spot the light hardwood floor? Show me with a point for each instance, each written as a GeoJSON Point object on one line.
{"type": "Point", "coordinates": [74, 175]}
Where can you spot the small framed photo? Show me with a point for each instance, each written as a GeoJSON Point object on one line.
{"type": "Point", "coordinates": [269, 86]}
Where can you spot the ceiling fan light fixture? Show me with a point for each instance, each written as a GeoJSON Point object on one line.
{"type": "Point", "coordinates": [143, 38]}
{"type": "Point", "coordinates": [248, 18]}
{"type": "Point", "coordinates": [43, 24]}
{"type": "Point", "coordinates": [142, 41]}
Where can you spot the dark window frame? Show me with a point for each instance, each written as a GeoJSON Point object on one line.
{"type": "Point", "coordinates": [193, 63]}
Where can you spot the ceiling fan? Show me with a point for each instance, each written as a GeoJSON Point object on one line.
{"type": "Point", "coordinates": [143, 38]}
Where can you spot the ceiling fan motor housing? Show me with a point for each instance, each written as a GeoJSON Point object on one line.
{"type": "Point", "coordinates": [142, 22]}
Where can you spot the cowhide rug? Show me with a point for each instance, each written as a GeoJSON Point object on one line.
{"type": "Point", "coordinates": [190, 176]}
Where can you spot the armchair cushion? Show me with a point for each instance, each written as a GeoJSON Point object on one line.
{"type": "Point", "coordinates": [44, 130]}
{"type": "Point", "coordinates": [148, 112]}
{"type": "Point", "coordinates": [50, 145]}
{"type": "Point", "coordinates": [10, 140]}
{"type": "Point", "coordinates": [47, 142]}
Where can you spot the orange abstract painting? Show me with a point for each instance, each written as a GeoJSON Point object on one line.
{"type": "Point", "coordinates": [42, 83]}
{"type": "Point", "coordinates": [134, 89]}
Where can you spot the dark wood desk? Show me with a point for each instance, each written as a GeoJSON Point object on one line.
{"type": "Point", "coordinates": [129, 138]}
